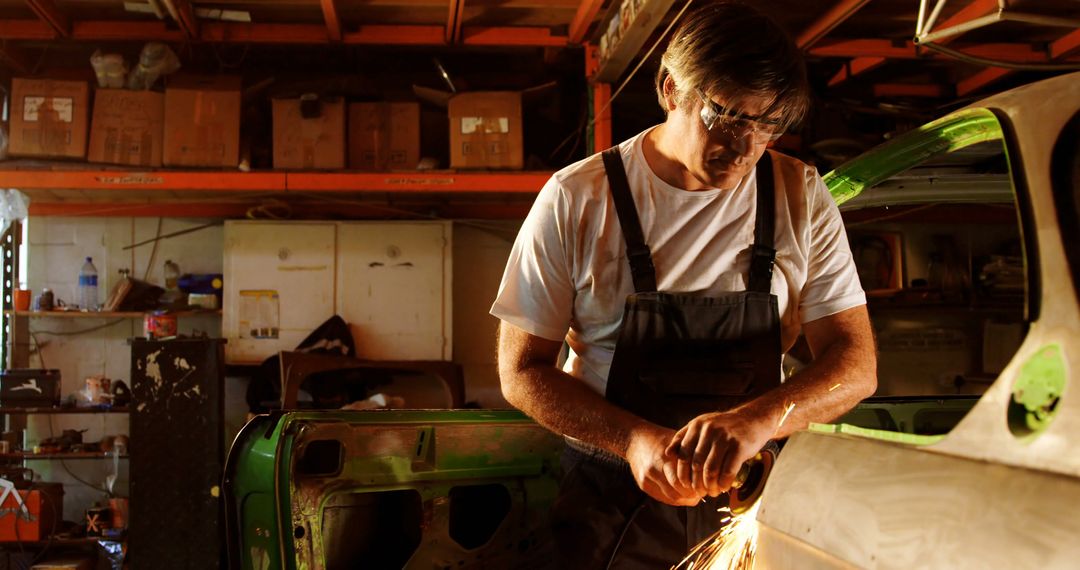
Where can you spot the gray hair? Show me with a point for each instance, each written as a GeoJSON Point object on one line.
{"type": "Point", "coordinates": [731, 49]}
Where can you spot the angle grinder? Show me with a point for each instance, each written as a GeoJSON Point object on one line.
{"type": "Point", "coordinates": [750, 481]}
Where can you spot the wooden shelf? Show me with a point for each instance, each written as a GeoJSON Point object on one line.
{"type": "Point", "coordinates": [29, 411]}
{"type": "Point", "coordinates": [50, 456]}
{"type": "Point", "coordinates": [104, 314]}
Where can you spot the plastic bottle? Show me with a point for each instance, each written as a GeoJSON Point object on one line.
{"type": "Point", "coordinates": [88, 286]}
{"type": "Point", "coordinates": [172, 276]}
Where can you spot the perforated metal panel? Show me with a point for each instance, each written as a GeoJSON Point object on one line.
{"type": "Point", "coordinates": [177, 454]}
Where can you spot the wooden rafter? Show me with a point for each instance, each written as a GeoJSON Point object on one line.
{"type": "Point", "coordinates": [981, 79]}
{"type": "Point", "coordinates": [855, 67]}
{"type": "Point", "coordinates": [1016, 53]}
{"type": "Point", "coordinates": [843, 10]}
{"type": "Point", "coordinates": [453, 21]}
{"type": "Point", "coordinates": [583, 18]}
{"type": "Point", "coordinates": [333, 24]}
{"type": "Point", "coordinates": [311, 34]}
{"type": "Point", "coordinates": [909, 90]}
{"type": "Point", "coordinates": [47, 11]}
{"type": "Point", "coordinates": [1060, 49]}
{"type": "Point", "coordinates": [1065, 46]}
{"type": "Point", "coordinates": [975, 9]}
{"type": "Point", "coordinates": [184, 15]}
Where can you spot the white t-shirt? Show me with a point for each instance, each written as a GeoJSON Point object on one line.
{"type": "Point", "coordinates": [568, 277]}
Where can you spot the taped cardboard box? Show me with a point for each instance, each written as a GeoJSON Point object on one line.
{"type": "Point", "coordinates": [128, 127]}
{"type": "Point", "coordinates": [485, 130]}
{"type": "Point", "coordinates": [384, 136]}
{"type": "Point", "coordinates": [309, 133]}
{"type": "Point", "coordinates": [202, 121]}
{"type": "Point", "coordinates": [48, 118]}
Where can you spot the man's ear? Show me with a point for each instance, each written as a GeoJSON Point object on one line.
{"type": "Point", "coordinates": [671, 94]}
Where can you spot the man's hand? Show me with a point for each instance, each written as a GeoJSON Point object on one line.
{"type": "Point", "coordinates": [654, 472]}
{"type": "Point", "coordinates": [711, 448]}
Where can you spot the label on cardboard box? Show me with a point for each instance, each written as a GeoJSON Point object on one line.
{"type": "Point", "coordinates": [48, 118]}
{"type": "Point", "coordinates": [470, 125]}
{"type": "Point", "coordinates": [61, 107]}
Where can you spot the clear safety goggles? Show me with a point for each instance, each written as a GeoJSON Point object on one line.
{"type": "Point", "coordinates": [737, 125]}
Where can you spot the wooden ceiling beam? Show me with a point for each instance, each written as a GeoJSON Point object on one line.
{"type": "Point", "coordinates": [47, 11]}
{"type": "Point", "coordinates": [333, 24]}
{"type": "Point", "coordinates": [855, 67]}
{"type": "Point", "coordinates": [974, 10]}
{"type": "Point", "coordinates": [909, 90]}
{"type": "Point", "coordinates": [836, 15]}
{"type": "Point", "coordinates": [583, 18]}
{"type": "Point", "coordinates": [312, 34]}
{"type": "Point", "coordinates": [980, 80]}
{"type": "Point", "coordinates": [1016, 53]}
{"type": "Point", "coordinates": [184, 16]}
{"type": "Point", "coordinates": [1065, 46]}
{"type": "Point", "coordinates": [453, 21]}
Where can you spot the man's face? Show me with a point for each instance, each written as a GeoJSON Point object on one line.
{"type": "Point", "coordinates": [721, 156]}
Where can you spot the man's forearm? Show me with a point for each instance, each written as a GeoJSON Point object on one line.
{"type": "Point", "coordinates": [565, 405]}
{"type": "Point", "coordinates": [827, 388]}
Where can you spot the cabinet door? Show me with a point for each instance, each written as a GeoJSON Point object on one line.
{"type": "Point", "coordinates": [279, 286]}
{"type": "Point", "coordinates": [393, 288]}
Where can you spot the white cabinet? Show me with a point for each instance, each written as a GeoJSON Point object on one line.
{"type": "Point", "coordinates": [391, 281]}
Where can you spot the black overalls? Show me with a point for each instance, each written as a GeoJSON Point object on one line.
{"type": "Point", "coordinates": [677, 356]}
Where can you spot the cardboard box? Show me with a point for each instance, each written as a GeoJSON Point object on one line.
{"type": "Point", "coordinates": [44, 519]}
{"type": "Point", "coordinates": [127, 127]}
{"type": "Point", "coordinates": [384, 136]}
{"type": "Point", "coordinates": [202, 121]}
{"type": "Point", "coordinates": [313, 142]}
{"type": "Point", "coordinates": [485, 130]}
{"type": "Point", "coordinates": [48, 118]}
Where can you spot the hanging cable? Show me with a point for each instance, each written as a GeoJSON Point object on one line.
{"type": "Point", "coordinates": [644, 58]}
{"type": "Point", "coordinates": [998, 63]}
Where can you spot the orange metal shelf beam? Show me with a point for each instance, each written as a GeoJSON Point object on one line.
{"type": "Point", "coordinates": [142, 181]}
{"type": "Point", "coordinates": [843, 10]}
{"type": "Point", "coordinates": [417, 182]}
{"type": "Point", "coordinates": [512, 182]}
{"type": "Point", "coordinates": [333, 24]}
{"type": "Point", "coordinates": [47, 11]}
{"type": "Point", "coordinates": [584, 16]}
{"type": "Point", "coordinates": [326, 210]}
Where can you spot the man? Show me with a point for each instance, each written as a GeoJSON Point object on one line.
{"type": "Point", "coordinates": [678, 267]}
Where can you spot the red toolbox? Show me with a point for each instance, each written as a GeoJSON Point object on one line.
{"type": "Point", "coordinates": [44, 511]}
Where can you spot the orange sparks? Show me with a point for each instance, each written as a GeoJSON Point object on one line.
{"type": "Point", "coordinates": [834, 386]}
{"type": "Point", "coordinates": [787, 412]}
{"type": "Point", "coordinates": [733, 547]}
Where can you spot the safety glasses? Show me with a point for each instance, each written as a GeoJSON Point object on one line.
{"type": "Point", "coordinates": [736, 125]}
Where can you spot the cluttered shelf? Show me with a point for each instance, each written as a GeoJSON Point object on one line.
{"type": "Point", "coordinates": [50, 410]}
{"type": "Point", "coordinates": [20, 456]}
{"type": "Point", "coordinates": [107, 314]}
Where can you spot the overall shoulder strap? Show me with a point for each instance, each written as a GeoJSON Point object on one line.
{"type": "Point", "coordinates": [637, 251]}
{"type": "Point", "coordinates": [763, 253]}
